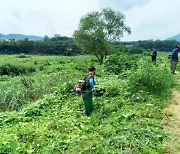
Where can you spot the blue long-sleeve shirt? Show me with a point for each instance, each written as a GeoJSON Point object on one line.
{"type": "Point", "coordinates": [91, 82]}
{"type": "Point", "coordinates": [174, 54]}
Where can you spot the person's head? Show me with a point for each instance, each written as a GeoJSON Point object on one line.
{"type": "Point", "coordinates": [178, 47]}
{"type": "Point", "coordinates": [92, 69]}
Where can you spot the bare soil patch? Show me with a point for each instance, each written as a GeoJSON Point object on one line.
{"type": "Point", "coordinates": [172, 124]}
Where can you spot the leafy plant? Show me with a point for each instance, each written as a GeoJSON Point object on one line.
{"type": "Point", "coordinates": [151, 77]}
{"type": "Point", "coordinates": [118, 63]}
{"type": "Point", "coordinates": [15, 70]}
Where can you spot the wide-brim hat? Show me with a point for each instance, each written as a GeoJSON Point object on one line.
{"type": "Point", "coordinates": [178, 46]}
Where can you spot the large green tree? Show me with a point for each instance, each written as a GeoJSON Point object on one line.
{"type": "Point", "coordinates": [97, 31]}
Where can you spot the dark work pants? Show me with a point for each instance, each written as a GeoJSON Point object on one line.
{"type": "Point", "coordinates": [87, 100]}
{"type": "Point", "coordinates": [153, 58]}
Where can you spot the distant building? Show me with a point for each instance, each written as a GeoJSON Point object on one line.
{"type": "Point", "coordinates": [4, 40]}
{"type": "Point", "coordinates": [18, 39]}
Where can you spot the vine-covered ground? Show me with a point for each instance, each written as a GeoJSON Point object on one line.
{"type": "Point", "coordinates": [130, 96]}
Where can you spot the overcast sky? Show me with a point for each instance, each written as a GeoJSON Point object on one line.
{"type": "Point", "coordinates": [148, 19]}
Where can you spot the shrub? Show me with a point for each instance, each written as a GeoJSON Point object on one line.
{"type": "Point", "coordinates": [23, 56]}
{"type": "Point", "coordinates": [135, 51]}
{"type": "Point", "coordinates": [117, 63]}
{"type": "Point", "coordinates": [151, 77]}
{"type": "Point", "coordinates": [4, 78]}
{"type": "Point", "coordinates": [9, 69]}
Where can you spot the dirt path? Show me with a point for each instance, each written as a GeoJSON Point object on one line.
{"type": "Point", "coordinates": [172, 122]}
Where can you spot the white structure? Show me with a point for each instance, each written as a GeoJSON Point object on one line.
{"type": "Point", "coordinates": [4, 40]}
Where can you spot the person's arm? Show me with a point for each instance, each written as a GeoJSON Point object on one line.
{"type": "Point", "coordinates": [91, 82]}
{"type": "Point", "coordinates": [177, 55]}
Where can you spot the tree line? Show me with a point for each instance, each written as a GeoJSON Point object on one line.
{"type": "Point", "coordinates": [58, 45]}
{"type": "Point", "coordinates": [159, 45]}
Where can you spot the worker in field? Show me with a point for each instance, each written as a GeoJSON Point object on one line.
{"type": "Point", "coordinates": [174, 59]}
{"type": "Point", "coordinates": [154, 55]}
{"type": "Point", "coordinates": [87, 89]}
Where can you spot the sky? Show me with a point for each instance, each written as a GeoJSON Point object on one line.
{"type": "Point", "coordinates": [148, 19]}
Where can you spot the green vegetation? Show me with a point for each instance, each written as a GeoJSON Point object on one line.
{"type": "Point", "coordinates": [46, 115]}
{"type": "Point", "coordinates": [98, 29]}
{"type": "Point", "coordinates": [49, 46]}
{"type": "Point", "coordinates": [177, 84]}
{"type": "Point", "coordinates": [27, 79]}
{"type": "Point", "coordinates": [40, 112]}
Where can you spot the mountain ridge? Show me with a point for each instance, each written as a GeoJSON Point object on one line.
{"type": "Point", "coordinates": [21, 36]}
{"type": "Point", "coordinates": [175, 37]}
{"type": "Point", "coordinates": [34, 37]}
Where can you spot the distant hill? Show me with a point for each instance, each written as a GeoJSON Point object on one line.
{"type": "Point", "coordinates": [176, 38]}
{"type": "Point", "coordinates": [21, 36]}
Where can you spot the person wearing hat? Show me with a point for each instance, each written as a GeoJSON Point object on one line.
{"type": "Point", "coordinates": [87, 92]}
{"type": "Point", "coordinates": [174, 59]}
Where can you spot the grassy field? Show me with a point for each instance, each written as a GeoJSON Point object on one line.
{"type": "Point", "coordinates": [40, 113]}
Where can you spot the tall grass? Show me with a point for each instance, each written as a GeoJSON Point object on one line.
{"type": "Point", "coordinates": [19, 84]}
